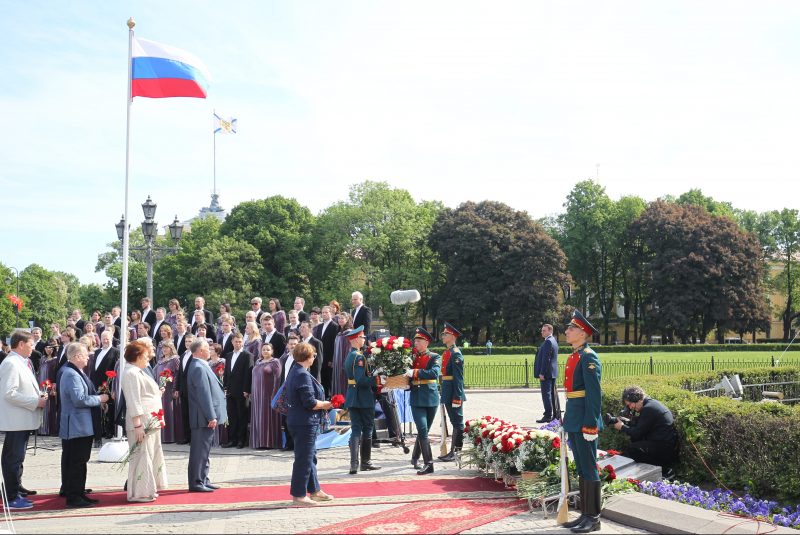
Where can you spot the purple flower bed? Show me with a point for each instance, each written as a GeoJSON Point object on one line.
{"type": "Point", "coordinates": [724, 500]}
{"type": "Point", "coordinates": [552, 425]}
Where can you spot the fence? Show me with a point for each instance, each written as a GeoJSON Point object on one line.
{"type": "Point", "coordinates": [521, 374]}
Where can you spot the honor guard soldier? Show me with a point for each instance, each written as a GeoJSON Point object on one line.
{"type": "Point", "coordinates": [582, 419]}
{"type": "Point", "coordinates": [360, 402]}
{"type": "Point", "coordinates": [424, 401]}
{"type": "Point", "coordinates": [453, 395]}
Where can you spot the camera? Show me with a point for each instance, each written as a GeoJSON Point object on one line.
{"type": "Point", "coordinates": [624, 416]}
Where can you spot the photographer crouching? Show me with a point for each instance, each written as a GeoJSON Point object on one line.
{"type": "Point", "coordinates": [654, 439]}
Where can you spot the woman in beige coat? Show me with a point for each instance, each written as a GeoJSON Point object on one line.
{"type": "Point", "coordinates": [147, 472]}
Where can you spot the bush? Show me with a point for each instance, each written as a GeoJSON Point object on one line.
{"type": "Point", "coordinates": [745, 444]}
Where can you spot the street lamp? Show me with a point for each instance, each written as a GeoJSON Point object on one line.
{"type": "Point", "coordinates": [150, 231]}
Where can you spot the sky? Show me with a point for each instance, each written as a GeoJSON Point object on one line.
{"type": "Point", "coordinates": [508, 101]}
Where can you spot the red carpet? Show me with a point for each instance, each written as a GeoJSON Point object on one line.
{"type": "Point", "coordinates": [449, 516]}
{"type": "Point", "coordinates": [275, 493]}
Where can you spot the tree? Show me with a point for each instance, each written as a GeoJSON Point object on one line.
{"type": "Point", "coordinates": [695, 197]}
{"type": "Point", "coordinates": [94, 297]}
{"type": "Point", "coordinates": [503, 270]}
{"type": "Point", "coordinates": [45, 296]}
{"type": "Point", "coordinates": [627, 210]}
{"type": "Point", "coordinates": [786, 234]}
{"type": "Point", "coordinates": [110, 262]}
{"type": "Point", "coordinates": [8, 314]}
{"type": "Point", "coordinates": [280, 230]}
{"type": "Point", "coordinates": [703, 272]}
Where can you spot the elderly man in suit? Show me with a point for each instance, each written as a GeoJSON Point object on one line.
{"type": "Point", "coordinates": [206, 411]}
{"type": "Point", "coordinates": [361, 313]}
{"type": "Point", "coordinates": [21, 406]}
{"type": "Point", "coordinates": [545, 367]}
{"type": "Point", "coordinates": [80, 421]}
{"type": "Point", "coordinates": [105, 359]}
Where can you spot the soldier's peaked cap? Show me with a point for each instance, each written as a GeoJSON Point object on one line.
{"type": "Point", "coordinates": [420, 332]}
{"type": "Point", "coordinates": [352, 334]}
{"type": "Point", "coordinates": [448, 328]}
{"type": "Point", "coordinates": [579, 321]}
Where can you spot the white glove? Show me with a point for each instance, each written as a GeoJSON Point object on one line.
{"type": "Point", "coordinates": [409, 372]}
{"type": "Point", "coordinates": [383, 380]}
{"type": "Point", "coordinates": [589, 438]}
{"type": "Point", "coordinates": [378, 371]}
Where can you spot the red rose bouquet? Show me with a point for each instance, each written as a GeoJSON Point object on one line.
{"type": "Point", "coordinates": [337, 401]}
{"type": "Point", "coordinates": [392, 354]}
{"type": "Point", "coordinates": [165, 377]}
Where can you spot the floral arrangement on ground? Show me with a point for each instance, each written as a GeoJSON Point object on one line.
{"type": "Point", "coordinates": [391, 353]}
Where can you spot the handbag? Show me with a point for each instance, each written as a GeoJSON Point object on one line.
{"type": "Point", "coordinates": [279, 402]}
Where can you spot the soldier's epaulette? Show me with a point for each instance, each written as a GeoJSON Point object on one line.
{"type": "Point", "coordinates": [455, 350]}
{"type": "Point", "coordinates": [587, 351]}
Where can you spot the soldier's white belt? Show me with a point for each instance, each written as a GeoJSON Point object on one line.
{"type": "Point", "coordinates": [576, 394]}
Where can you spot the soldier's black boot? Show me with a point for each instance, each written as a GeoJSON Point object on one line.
{"type": "Point", "coordinates": [354, 443]}
{"type": "Point", "coordinates": [449, 456]}
{"type": "Point", "coordinates": [415, 456]}
{"type": "Point", "coordinates": [427, 457]}
{"type": "Point", "coordinates": [594, 499]}
{"type": "Point", "coordinates": [578, 521]}
{"type": "Point", "coordinates": [366, 455]}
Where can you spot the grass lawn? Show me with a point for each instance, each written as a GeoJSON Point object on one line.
{"type": "Point", "coordinates": [510, 370]}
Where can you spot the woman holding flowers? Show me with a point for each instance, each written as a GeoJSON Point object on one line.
{"type": "Point", "coordinates": [166, 370]}
{"type": "Point", "coordinates": [265, 423]}
{"type": "Point", "coordinates": [147, 472]}
{"type": "Point", "coordinates": [47, 382]}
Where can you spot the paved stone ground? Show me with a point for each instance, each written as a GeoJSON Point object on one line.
{"type": "Point", "coordinates": [248, 467]}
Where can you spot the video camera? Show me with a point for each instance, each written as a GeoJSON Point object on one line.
{"type": "Point", "coordinates": [624, 416]}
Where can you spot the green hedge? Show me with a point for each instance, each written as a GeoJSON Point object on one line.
{"type": "Point", "coordinates": [673, 348]}
{"type": "Point", "coordinates": [745, 444]}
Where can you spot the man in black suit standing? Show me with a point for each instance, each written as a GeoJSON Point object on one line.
{"type": "Point", "coordinates": [179, 338]}
{"type": "Point", "coordinates": [361, 313]}
{"type": "Point", "coordinates": [299, 305]}
{"type": "Point", "coordinates": [226, 337]}
{"type": "Point", "coordinates": [38, 348]}
{"type": "Point", "coordinates": [326, 332]}
{"type": "Point", "coordinates": [104, 359]}
{"type": "Point", "coordinates": [200, 305]}
{"type": "Point", "coordinates": [271, 335]}
{"type": "Point", "coordinates": [237, 382]}
{"type": "Point", "coordinates": [198, 320]}
{"type": "Point", "coordinates": [305, 336]}
{"type": "Point", "coordinates": [155, 329]}
{"type": "Point", "coordinates": [287, 363]}
{"type": "Point", "coordinates": [148, 314]}
{"type": "Point", "coordinates": [115, 315]}
{"type": "Point", "coordinates": [76, 317]}
{"type": "Point", "coordinates": [181, 386]}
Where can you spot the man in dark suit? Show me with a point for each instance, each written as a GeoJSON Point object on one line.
{"type": "Point", "coordinates": [181, 386]}
{"type": "Point", "coordinates": [179, 338]}
{"type": "Point", "coordinates": [270, 335]}
{"type": "Point", "coordinates": [305, 336]}
{"type": "Point", "coordinates": [326, 332]}
{"type": "Point", "coordinates": [104, 359]}
{"type": "Point", "coordinates": [38, 343]}
{"type": "Point", "coordinates": [361, 313]}
{"type": "Point", "coordinates": [255, 303]}
{"type": "Point", "coordinates": [299, 305]}
{"type": "Point", "coordinates": [200, 305]}
{"type": "Point", "coordinates": [545, 367]}
{"type": "Point", "coordinates": [225, 338]}
{"type": "Point", "coordinates": [71, 325]}
{"type": "Point", "coordinates": [67, 337]}
{"type": "Point", "coordinates": [115, 315]}
{"type": "Point", "coordinates": [148, 314]}
{"type": "Point", "coordinates": [155, 329]}
{"type": "Point", "coordinates": [206, 411]}
{"type": "Point", "coordinates": [237, 382]}
{"type": "Point", "coordinates": [199, 319]}
{"type": "Point", "coordinates": [76, 317]}
{"type": "Point", "coordinates": [287, 363]}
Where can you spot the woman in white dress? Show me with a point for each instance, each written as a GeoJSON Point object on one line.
{"type": "Point", "coordinates": [147, 472]}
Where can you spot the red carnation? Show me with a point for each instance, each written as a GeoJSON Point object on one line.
{"type": "Point", "coordinates": [220, 369]}
{"type": "Point", "coordinates": [111, 374]}
{"type": "Point", "coordinates": [612, 452]}
{"type": "Point", "coordinates": [337, 401]}
{"type": "Point", "coordinates": [166, 373]}
{"type": "Point", "coordinates": [494, 448]}
{"type": "Point", "coordinates": [556, 443]}
{"type": "Point", "coordinates": [477, 441]}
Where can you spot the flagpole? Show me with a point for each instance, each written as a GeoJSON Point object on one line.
{"type": "Point", "coordinates": [116, 450]}
{"type": "Point", "coordinates": [214, 134]}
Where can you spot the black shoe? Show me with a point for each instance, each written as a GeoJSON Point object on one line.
{"type": "Point", "coordinates": [287, 448]}
{"type": "Point", "coordinates": [89, 491]}
{"type": "Point", "coordinates": [428, 469]}
{"type": "Point", "coordinates": [182, 442]}
{"type": "Point", "coordinates": [449, 458]}
{"type": "Point", "coordinates": [201, 489]}
{"type": "Point", "coordinates": [79, 502]}
{"type": "Point", "coordinates": [375, 445]}
{"type": "Point", "coordinates": [544, 420]}
{"type": "Point", "coordinates": [240, 445]}
{"type": "Point", "coordinates": [229, 445]}
{"type": "Point", "coordinates": [212, 487]}
{"type": "Point", "coordinates": [62, 495]}
{"type": "Point", "coordinates": [90, 500]}
{"type": "Point", "coordinates": [589, 524]}
{"type": "Point", "coordinates": [25, 492]}
{"type": "Point", "coordinates": [97, 443]}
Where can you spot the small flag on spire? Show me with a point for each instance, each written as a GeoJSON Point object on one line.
{"type": "Point", "coordinates": [224, 125]}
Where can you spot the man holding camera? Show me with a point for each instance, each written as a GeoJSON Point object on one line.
{"type": "Point", "coordinates": [654, 439]}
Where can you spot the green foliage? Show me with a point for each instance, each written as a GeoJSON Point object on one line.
{"type": "Point", "coordinates": [743, 443]}
{"type": "Point", "coordinates": [8, 285]}
{"type": "Point", "coordinates": [45, 295]}
{"type": "Point", "coordinates": [94, 297]}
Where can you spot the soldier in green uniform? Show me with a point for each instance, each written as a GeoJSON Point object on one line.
{"type": "Point", "coordinates": [453, 395]}
{"type": "Point", "coordinates": [582, 419]}
{"type": "Point", "coordinates": [424, 401]}
{"type": "Point", "coordinates": [360, 402]}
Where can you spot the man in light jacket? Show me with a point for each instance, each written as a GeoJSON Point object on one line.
{"type": "Point", "coordinates": [21, 404]}
{"type": "Point", "coordinates": [79, 423]}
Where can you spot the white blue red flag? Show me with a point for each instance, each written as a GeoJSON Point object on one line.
{"type": "Point", "coordinates": [163, 71]}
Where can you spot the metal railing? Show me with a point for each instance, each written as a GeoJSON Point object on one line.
{"type": "Point", "coordinates": [520, 375]}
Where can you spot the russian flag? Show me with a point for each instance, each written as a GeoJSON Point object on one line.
{"type": "Point", "coordinates": [162, 71]}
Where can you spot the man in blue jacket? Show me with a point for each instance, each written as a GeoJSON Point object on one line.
{"type": "Point", "coordinates": [79, 423]}
{"type": "Point", "coordinates": [545, 367]}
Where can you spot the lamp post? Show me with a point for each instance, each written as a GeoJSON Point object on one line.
{"type": "Point", "coordinates": [150, 231]}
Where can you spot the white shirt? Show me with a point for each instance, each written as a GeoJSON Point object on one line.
{"type": "Point", "coordinates": [100, 357]}
{"type": "Point", "coordinates": [233, 358]}
{"type": "Point", "coordinates": [186, 357]}
{"type": "Point", "coordinates": [355, 312]}
{"type": "Point", "coordinates": [289, 362]}
{"type": "Point", "coordinates": [145, 312]}
{"type": "Point", "coordinates": [324, 326]}
{"type": "Point", "coordinates": [268, 336]}
{"type": "Point", "coordinates": [225, 339]}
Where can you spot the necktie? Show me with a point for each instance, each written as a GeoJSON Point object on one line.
{"type": "Point", "coordinates": [30, 366]}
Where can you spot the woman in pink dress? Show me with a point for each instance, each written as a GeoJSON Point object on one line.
{"type": "Point", "coordinates": [265, 423]}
